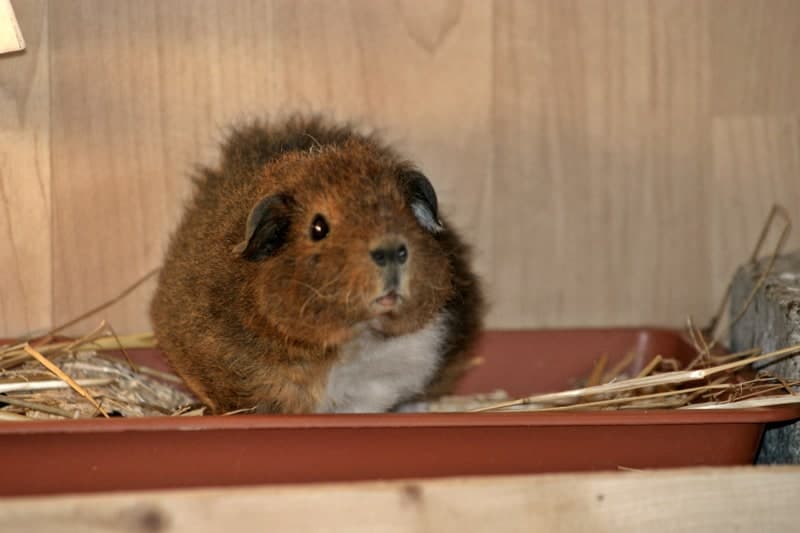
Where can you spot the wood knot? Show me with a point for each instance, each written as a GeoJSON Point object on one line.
{"type": "Point", "coordinates": [412, 493]}
{"type": "Point", "coordinates": [145, 519]}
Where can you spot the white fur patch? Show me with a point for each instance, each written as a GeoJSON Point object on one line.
{"type": "Point", "coordinates": [374, 372]}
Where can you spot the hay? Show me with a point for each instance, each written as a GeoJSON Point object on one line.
{"type": "Point", "coordinates": [88, 382]}
{"type": "Point", "coordinates": [91, 382]}
{"type": "Point", "coordinates": [453, 404]}
{"type": "Point", "coordinates": [728, 390]}
{"type": "Point", "coordinates": [64, 377]}
{"type": "Point", "coordinates": [114, 386]}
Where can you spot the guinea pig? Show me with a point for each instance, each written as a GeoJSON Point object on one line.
{"type": "Point", "coordinates": [312, 272]}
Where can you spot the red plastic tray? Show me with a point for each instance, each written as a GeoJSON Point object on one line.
{"type": "Point", "coordinates": [127, 454]}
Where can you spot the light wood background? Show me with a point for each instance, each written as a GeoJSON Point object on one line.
{"type": "Point", "coordinates": [611, 161]}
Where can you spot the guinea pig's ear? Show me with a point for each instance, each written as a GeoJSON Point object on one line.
{"type": "Point", "coordinates": [422, 199]}
{"type": "Point", "coordinates": [267, 228]}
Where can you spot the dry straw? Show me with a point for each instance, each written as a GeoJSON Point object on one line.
{"type": "Point", "coordinates": [65, 378]}
{"type": "Point", "coordinates": [88, 382]}
{"type": "Point", "coordinates": [627, 392]}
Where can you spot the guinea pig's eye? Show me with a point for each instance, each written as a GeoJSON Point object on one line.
{"type": "Point", "coordinates": [319, 228]}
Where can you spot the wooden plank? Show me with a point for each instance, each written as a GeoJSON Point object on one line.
{"type": "Point", "coordinates": [754, 56]}
{"type": "Point", "coordinates": [25, 256]}
{"type": "Point", "coordinates": [756, 163]}
{"type": "Point", "coordinates": [571, 141]}
{"type": "Point", "coordinates": [600, 150]}
{"type": "Point", "coordinates": [698, 500]}
{"type": "Point", "coordinates": [755, 132]}
{"type": "Point", "coordinates": [143, 90]}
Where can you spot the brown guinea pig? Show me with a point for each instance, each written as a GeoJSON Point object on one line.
{"type": "Point", "coordinates": [312, 272]}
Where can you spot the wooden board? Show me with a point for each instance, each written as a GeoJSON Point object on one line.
{"type": "Point", "coordinates": [599, 163]}
{"type": "Point", "coordinates": [698, 500]}
{"type": "Point", "coordinates": [610, 161]}
{"type": "Point", "coordinates": [25, 237]}
{"type": "Point", "coordinates": [754, 43]}
{"type": "Point", "coordinates": [756, 160]}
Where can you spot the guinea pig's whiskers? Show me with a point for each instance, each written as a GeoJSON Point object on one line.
{"type": "Point", "coordinates": [316, 142]}
{"type": "Point", "coordinates": [331, 281]}
{"type": "Point", "coordinates": [347, 295]}
{"type": "Point", "coordinates": [313, 289]}
{"type": "Point", "coordinates": [308, 301]}
{"type": "Point", "coordinates": [316, 293]}
{"type": "Point", "coordinates": [440, 288]}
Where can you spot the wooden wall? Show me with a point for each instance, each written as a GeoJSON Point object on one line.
{"type": "Point", "coordinates": [610, 160]}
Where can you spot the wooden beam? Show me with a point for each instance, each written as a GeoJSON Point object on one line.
{"type": "Point", "coordinates": [26, 292]}
{"type": "Point", "coordinates": [697, 500]}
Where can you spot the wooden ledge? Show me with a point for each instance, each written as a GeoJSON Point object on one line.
{"type": "Point", "coordinates": [719, 499]}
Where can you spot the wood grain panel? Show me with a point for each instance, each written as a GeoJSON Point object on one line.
{"type": "Point", "coordinates": [756, 163]}
{"type": "Point", "coordinates": [611, 161]}
{"type": "Point", "coordinates": [755, 56]}
{"type": "Point", "coordinates": [600, 135]}
{"type": "Point", "coordinates": [25, 265]}
{"type": "Point", "coordinates": [142, 91]}
{"type": "Point", "coordinates": [701, 500]}
{"type": "Point", "coordinates": [109, 187]}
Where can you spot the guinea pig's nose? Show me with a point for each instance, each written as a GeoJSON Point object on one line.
{"type": "Point", "coordinates": [382, 256]}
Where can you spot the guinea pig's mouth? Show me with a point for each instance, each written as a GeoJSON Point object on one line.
{"type": "Point", "coordinates": [387, 302]}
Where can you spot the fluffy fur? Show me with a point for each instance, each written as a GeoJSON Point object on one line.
{"type": "Point", "coordinates": [253, 311]}
{"type": "Point", "coordinates": [373, 371]}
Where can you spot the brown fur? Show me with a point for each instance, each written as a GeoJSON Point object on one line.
{"type": "Point", "coordinates": [265, 333]}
